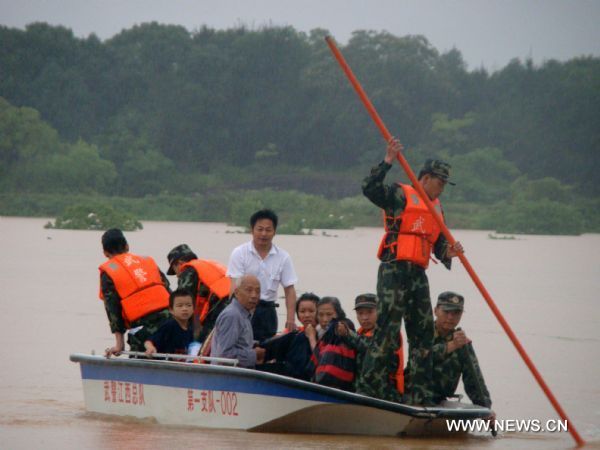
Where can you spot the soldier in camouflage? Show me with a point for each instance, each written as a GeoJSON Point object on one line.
{"type": "Point", "coordinates": [453, 354]}
{"type": "Point", "coordinates": [403, 291]}
{"type": "Point", "coordinates": [114, 243]}
{"type": "Point", "coordinates": [188, 280]}
{"type": "Point", "coordinates": [359, 340]}
{"type": "Point", "coordinates": [140, 330]}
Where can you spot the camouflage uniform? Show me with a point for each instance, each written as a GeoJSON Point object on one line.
{"type": "Point", "coordinates": [189, 281]}
{"type": "Point", "coordinates": [150, 322]}
{"type": "Point", "coordinates": [360, 343]}
{"type": "Point", "coordinates": [403, 292]}
{"type": "Point", "coordinates": [448, 368]}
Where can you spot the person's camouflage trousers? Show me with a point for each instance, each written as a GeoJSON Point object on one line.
{"type": "Point", "coordinates": [151, 323]}
{"type": "Point", "coordinates": [403, 291]}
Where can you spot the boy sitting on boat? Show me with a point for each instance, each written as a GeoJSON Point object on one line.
{"type": "Point", "coordinates": [176, 334]}
{"type": "Point", "coordinates": [206, 281]}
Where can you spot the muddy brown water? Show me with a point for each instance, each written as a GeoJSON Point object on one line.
{"type": "Point", "coordinates": [546, 286]}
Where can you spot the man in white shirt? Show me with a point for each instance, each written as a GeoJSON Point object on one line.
{"type": "Point", "coordinates": [273, 267]}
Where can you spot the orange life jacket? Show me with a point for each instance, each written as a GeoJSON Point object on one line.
{"type": "Point", "coordinates": [362, 332]}
{"type": "Point", "coordinates": [398, 377]}
{"type": "Point", "coordinates": [213, 275]}
{"type": "Point", "coordinates": [138, 283]}
{"type": "Point", "coordinates": [417, 231]}
{"type": "Point", "coordinates": [299, 329]}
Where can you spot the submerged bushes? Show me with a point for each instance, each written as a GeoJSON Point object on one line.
{"type": "Point", "coordinates": [299, 213]}
{"type": "Point", "coordinates": [95, 216]}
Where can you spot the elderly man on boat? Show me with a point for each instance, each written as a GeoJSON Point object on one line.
{"type": "Point", "coordinates": [233, 336]}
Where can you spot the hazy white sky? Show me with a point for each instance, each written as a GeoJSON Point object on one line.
{"type": "Point", "coordinates": [487, 32]}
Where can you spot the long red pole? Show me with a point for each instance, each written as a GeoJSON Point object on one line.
{"type": "Point", "coordinates": [413, 179]}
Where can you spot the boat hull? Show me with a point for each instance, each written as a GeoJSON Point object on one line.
{"type": "Point", "coordinates": [214, 396]}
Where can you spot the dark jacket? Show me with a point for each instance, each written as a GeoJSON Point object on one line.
{"type": "Point", "coordinates": [291, 352]}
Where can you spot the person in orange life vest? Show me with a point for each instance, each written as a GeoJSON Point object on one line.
{"type": "Point", "coordinates": [135, 293]}
{"type": "Point", "coordinates": [175, 335]}
{"type": "Point", "coordinates": [290, 353]}
{"type": "Point", "coordinates": [411, 235]}
{"type": "Point", "coordinates": [333, 361]}
{"type": "Point", "coordinates": [365, 306]}
{"type": "Point", "coordinates": [206, 281]}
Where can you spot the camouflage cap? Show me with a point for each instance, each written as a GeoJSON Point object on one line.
{"type": "Point", "coordinates": [451, 301]}
{"type": "Point", "coordinates": [438, 168]}
{"type": "Point", "coordinates": [365, 301]}
{"type": "Point", "coordinates": [180, 252]}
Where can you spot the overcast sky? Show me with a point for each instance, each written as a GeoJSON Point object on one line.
{"type": "Point", "coordinates": [487, 32]}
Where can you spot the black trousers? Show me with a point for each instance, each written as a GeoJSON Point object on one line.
{"type": "Point", "coordinates": [264, 320]}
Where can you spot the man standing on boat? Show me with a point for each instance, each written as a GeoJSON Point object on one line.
{"type": "Point", "coordinates": [206, 281]}
{"type": "Point", "coordinates": [135, 293]}
{"type": "Point", "coordinates": [273, 267]}
{"type": "Point", "coordinates": [411, 235]}
{"type": "Point", "coordinates": [453, 354]}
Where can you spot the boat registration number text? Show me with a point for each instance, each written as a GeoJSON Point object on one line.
{"type": "Point", "coordinates": [213, 402]}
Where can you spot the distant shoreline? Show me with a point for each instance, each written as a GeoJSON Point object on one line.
{"type": "Point", "coordinates": [299, 212]}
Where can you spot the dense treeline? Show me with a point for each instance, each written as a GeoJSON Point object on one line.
{"type": "Point", "coordinates": [157, 110]}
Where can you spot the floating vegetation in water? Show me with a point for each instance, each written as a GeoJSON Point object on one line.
{"type": "Point", "coordinates": [501, 237]}
{"type": "Point", "coordinates": [96, 216]}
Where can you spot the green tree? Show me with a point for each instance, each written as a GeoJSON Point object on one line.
{"type": "Point", "coordinates": [211, 111]}
{"type": "Point", "coordinates": [33, 159]}
{"type": "Point", "coordinates": [451, 135]}
{"type": "Point", "coordinates": [483, 176]}
{"type": "Point", "coordinates": [543, 206]}
{"type": "Point", "coordinates": [79, 169]}
{"type": "Point", "coordinates": [142, 168]}
{"type": "Point", "coordinates": [25, 141]}
{"type": "Point", "coordinates": [540, 217]}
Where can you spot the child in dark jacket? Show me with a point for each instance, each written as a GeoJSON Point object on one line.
{"type": "Point", "coordinates": [176, 334]}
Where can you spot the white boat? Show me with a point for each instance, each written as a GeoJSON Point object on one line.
{"type": "Point", "coordinates": [221, 396]}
